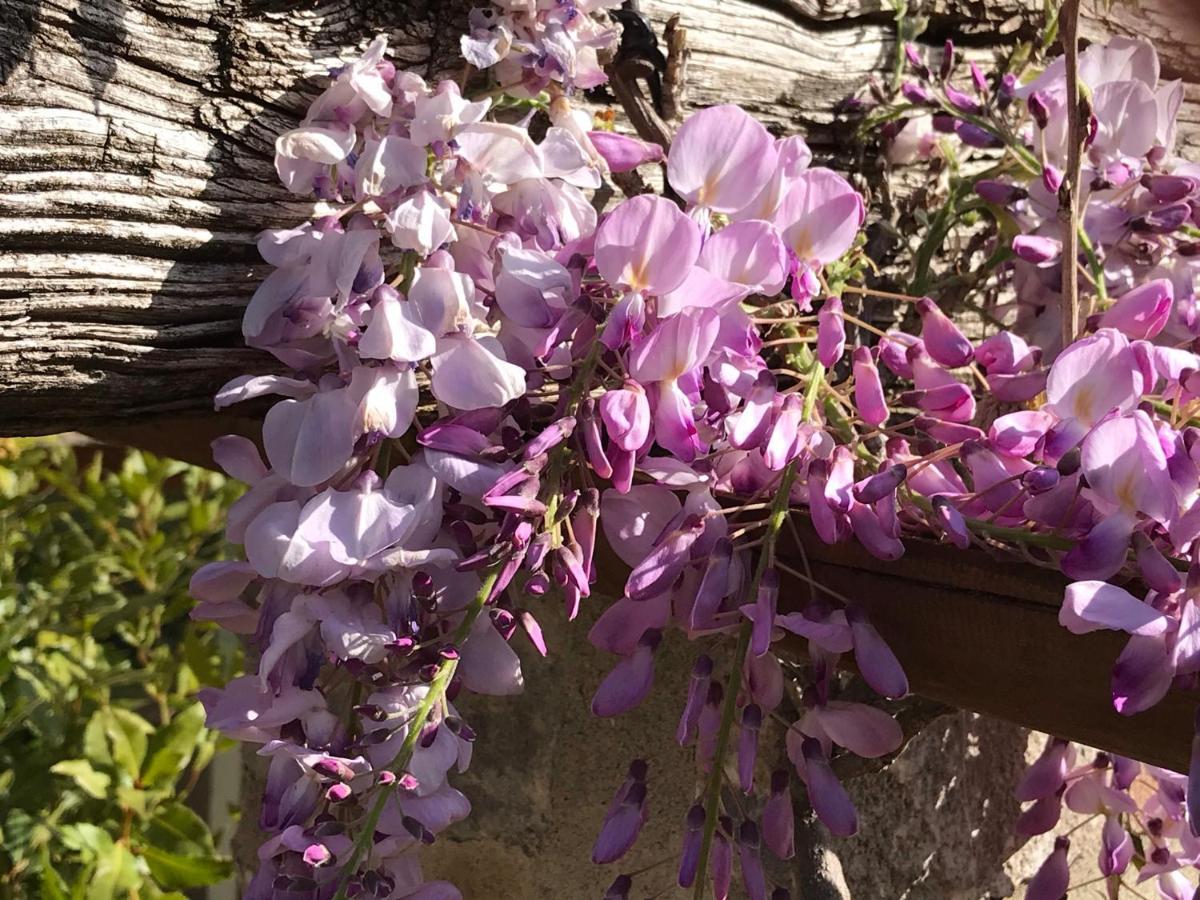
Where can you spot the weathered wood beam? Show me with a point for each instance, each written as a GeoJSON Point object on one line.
{"type": "Point", "coordinates": [136, 145]}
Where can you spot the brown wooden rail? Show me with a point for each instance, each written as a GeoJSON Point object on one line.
{"type": "Point", "coordinates": [981, 633]}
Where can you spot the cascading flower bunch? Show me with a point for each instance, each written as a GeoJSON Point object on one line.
{"type": "Point", "coordinates": [489, 377]}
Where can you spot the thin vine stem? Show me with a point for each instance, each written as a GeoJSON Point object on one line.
{"type": "Point", "coordinates": [1068, 195]}
{"type": "Point", "coordinates": [775, 521]}
{"type": "Point", "coordinates": [433, 697]}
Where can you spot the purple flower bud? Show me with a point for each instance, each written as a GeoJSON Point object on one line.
{"type": "Point", "coordinates": [979, 79]}
{"type": "Point", "coordinates": [868, 389]}
{"type": "Point", "coordinates": [697, 693]}
{"type": "Point", "coordinates": [1052, 178]}
{"type": "Point", "coordinates": [916, 94]}
{"type": "Point", "coordinates": [709, 724]}
{"type": "Point", "coordinates": [974, 136]}
{"type": "Point", "coordinates": [1054, 877]}
{"type": "Point", "coordinates": [720, 865]}
{"type": "Point", "coordinates": [914, 59]}
{"type": "Point", "coordinates": [1170, 188]}
{"type": "Point", "coordinates": [622, 153]}
{"type": "Point", "coordinates": [943, 123]}
{"type": "Point", "coordinates": [1156, 571]}
{"type": "Point", "coordinates": [754, 421]}
{"type": "Point", "coordinates": [317, 855]}
{"type": "Point", "coordinates": [593, 442]}
{"type": "Point", "coordinates": [714, 586]}
{"type": "Point", "coordinates": [778, 820]}
{"type": "Point", "coordinates": [947, 59]}
{"type": "Point", "coordinates": [622, 466]}
{"type": "Point", "coordinates": [1039, 109]}
{"type": "Point", "coordinates": [875, 659]}
{"type": "Point", "coordinates": [1007, 90]}
{"type": "Point", "coordinates": [622, 825]}
{"type": "Point", "coordinates": [554, 435]}
{"type": "Point", "coordinates": [765, 604]}
{"type": "Point", "coordinates": [1164, 219]}
{"type": "Point", "coordinates": [337, 792]}
{"type": "Point", "coordinates": [1000, 193]}
{"type": "Point", "coordinates": [748, 746]}
{"type": "Point", "coordinates": [689, 857]}
{"type": "Point", "coordinates": [1193, 782]}
{"type": "Point", "coordinates": [963, 101]}
{"type": "Point", "coordinates": [1036, 249]}
{"type": "Point", "coordinates": [666, 562]}
{"type": "Point", "coordinates": [951, 521]}
{"type": "Point", "coordinates": [943, 339]}
{"type": "Point", "coordinates": [753, 879]}
{"type": "Point", "coordinates": [876, 487]}
{"type": "Point", "coordinates": [333, 768]}
{"type": "Point", "coordinates": [1040, 479]}
{"type": "Point", "coordinates": [829, 799]}
{"type": "Point", "coordinates": [454, 438]}
{"type": "Point", "coordinates": [619, 889]}
{"type": "Point", "coordinates": [630, 680]}
{"type": "Point", "coordinates": [831, 332]}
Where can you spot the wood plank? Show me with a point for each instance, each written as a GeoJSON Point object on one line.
{"type": "Point", "coordinates": [981, 633]}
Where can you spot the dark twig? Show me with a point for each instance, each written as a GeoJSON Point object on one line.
{"type": "Point", "coordinates": [1069, 191]}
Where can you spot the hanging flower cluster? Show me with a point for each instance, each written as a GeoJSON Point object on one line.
{"type": "Point", "coordinates": [1137, 232]}
{"type": "Point", "coordinates": [528, 44]}
{"type": "Point", "coordinates": [488, 376]}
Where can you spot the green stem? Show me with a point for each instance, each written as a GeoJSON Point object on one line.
{"type": "Point", "coordinates": [712, 800]}
{"type": "Point", "coordinates": [435, 694]}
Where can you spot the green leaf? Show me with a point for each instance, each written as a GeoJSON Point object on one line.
{"type": "Point", "coordinates": [179, 830]}
{"type": "Point", "coordinates": [173, 746]}
{"type": "Point", "coordinates": [95, 742]}
{"type": "Point", "coordinates": [93, 783]}
{"type": "Point", "coordinates": [178, 848]}
{"type": "Point", "coordinates": [53, 887]}
{"type": "Point", "coordinates": [127, 731]}
{"type": "Point", "coordinates": [174, 871]}
{"type": "Point", "coordinates": [85, 838]}
{"type": "Point", "coordinates": [116, 872]}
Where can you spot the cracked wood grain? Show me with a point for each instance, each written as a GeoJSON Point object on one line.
{"type": "Point", "coordinates": [136, 168]}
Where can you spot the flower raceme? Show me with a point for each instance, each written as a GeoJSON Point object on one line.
{"type": "Point", "coordinates": [488, 375]}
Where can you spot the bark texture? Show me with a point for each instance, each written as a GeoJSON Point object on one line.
{"type": "Point", "coordinates": [136, 157]}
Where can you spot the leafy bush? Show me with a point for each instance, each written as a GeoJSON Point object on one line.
{"type": "Point", "coordinates": [101, 738]}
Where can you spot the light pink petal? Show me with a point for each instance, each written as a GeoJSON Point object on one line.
{"type": "Point", "coordinates": [748, 253]}
{"type": "Point", "coordinates": [861, 729]}
{"type": "Point", "coordinates": [1094, 376]}
{"type": "Point", "coordinates": [1096, 605]}
{"type": "Point", "coordinates": [820, 216]}
{"type": "Point", "coordinates": [395, 333]}
{"type": "Point", "coordinates": [633, 521]}
{"type": "Point", "coordinates": [646, 244]}
{"type": "Point", "coordinates": [387, 164]}
{"type": "Point", "coordinates": [1125, 464]}
{"type": "Point", "coordinates": [488, 664]}
{"type": "Point", "coordinates": [1142, 674]}
{"type": "Point", "coordinates": [678, 345]}
{"type": "Point", "coordinates": [467, 376]}
{"type": "Point", "coordinates": [721, 158]}
{"type": "Point", "coordinates": [239, 458]}
{"type": "Point", "coordinates": [308, 441]}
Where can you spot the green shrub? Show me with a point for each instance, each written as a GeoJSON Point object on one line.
{"type": "Point", "coordinates": [101, 738]}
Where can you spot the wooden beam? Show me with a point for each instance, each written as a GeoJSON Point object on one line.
{"type": "Point", "coordinates": [136, 145]}
{"type": "Point", "coordinates": [981, 632]}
